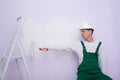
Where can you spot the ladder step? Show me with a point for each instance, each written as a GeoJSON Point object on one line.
{"type": "Point", "coordinates": [11, 58]}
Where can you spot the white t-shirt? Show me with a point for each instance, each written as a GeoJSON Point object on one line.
{"type": "Point", "coordinates": [90, 47]}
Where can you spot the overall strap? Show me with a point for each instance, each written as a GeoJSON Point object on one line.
{"type": "Point", "coordinates": [83, 45]}
{"type": "Point", "coordinates": [97, 49]}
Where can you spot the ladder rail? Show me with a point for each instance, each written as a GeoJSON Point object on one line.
{"type": "Point", "coordinates": [7, 62]}
{"type": "Point", "coordinates": [24, 61]}
{"type": "Point", "coordinates": [20, 73]}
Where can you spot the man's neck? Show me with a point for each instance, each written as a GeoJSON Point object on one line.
{"type": "Point", "coordinates": [89, 39]}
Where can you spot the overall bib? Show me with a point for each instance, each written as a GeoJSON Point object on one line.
{"type": "Point", "coordinates": [89, 68]}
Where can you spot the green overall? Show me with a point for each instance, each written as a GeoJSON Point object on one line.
{"type": "Point", "coordinates": [89, 68]}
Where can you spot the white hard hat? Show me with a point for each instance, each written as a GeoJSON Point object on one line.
{"type": "Point", "coordinates": [86, 26]}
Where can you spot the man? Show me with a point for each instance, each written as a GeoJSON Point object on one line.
{"type": "Point", "coordinates": [90, 54]}
{"type": "Point", "coordinates": [92, 58]}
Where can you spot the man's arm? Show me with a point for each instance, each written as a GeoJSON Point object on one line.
{"type": "Point", "coordinates": [102, 59]}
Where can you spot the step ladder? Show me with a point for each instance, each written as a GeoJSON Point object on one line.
{"type": "Point", "coordinates": [7, 58]}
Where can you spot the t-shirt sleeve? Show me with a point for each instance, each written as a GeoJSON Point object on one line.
{"type": "Point", "coordinates": [102, 58]}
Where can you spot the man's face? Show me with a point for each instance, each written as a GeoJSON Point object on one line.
{"type": "Point", "coordinates": [85, 33]}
